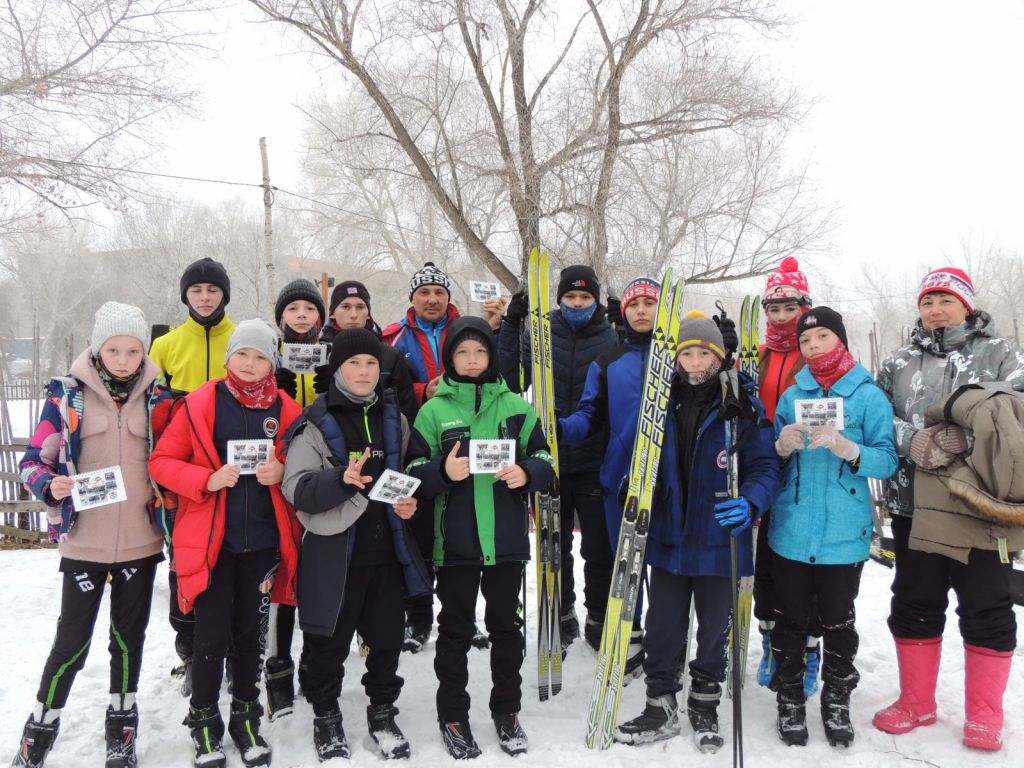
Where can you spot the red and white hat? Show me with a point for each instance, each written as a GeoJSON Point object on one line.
{"type": "Point", "coordinates": [640, 287]}
{"type": "Point", "coordinates": [949, 280]}
{"type": "Point", "coordinates": [787, 283]}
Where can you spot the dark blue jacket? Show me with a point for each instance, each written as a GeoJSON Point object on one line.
{"type": "Point", "coordinates": [572, 354]}
{"type": "Point", "coordinates": [685, 539]}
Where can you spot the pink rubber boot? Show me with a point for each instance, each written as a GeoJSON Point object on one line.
{"type": "Point", "coordinates": [985, 675]}
{"type": "Point", "coordinates": [919, 670]}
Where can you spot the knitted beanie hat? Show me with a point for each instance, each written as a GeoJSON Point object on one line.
{"type": "Point", "coordinates": [355, 341]}
{"type": "Point", "coordinates": [298, 290]}
{"type": "Point", "coordinates": [641, 287]}
{"type": "Point", "coordinates": [698, 330]}
{"type": "Point", "coordinates": [949, 280]}
{"type": "Point", "coordinates": [786, 284]}
{"type": "Point", "coordinates": [115, 319]}
{"type": "Point", "coordinates": [429, 275]}
{"type": "Point", "coordinates": [253, 334]}
{"type": "Point", "coordinates": [823, 317]}
{"type": "Point", "coordinates": [348, 289]}
{"type": "Point", "coordinates": [579, 277]}
{"type": "Point", "coordinates": [206, 271]}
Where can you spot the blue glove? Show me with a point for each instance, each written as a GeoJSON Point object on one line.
{"type": "Point", "coordinates": [735, 514]}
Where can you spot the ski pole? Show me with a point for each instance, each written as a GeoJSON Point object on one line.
{"type": "Point", "coordinates": [730, 385]}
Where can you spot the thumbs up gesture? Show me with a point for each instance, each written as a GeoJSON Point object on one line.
{"type": "Point", "coordinates": [457, 469]}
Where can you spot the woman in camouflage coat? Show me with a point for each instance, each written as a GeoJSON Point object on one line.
{"type": "Point", "coordinates": [952, 345]}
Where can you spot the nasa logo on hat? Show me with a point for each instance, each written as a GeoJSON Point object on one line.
{"type": "Point", "coordinates": [271, 426]}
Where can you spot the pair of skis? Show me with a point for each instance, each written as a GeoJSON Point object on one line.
{"type": "Point", "coordinates": [547, 503]}
{"type": "Point", "coordinates": [628, 568]}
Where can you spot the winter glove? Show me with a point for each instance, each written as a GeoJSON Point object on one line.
{"type": "Point", "coordinates": [735, 514]}
{"type": "Point", "coordinates": [790, 439]}
{"type": "Point", "coordinates": [926, 453]}
{"type": "Point", "coordinates": [614, 312]}
{"type": "Point", "coordinates": [949, 437]}
{"type": "Point", "coordinates": [518, 309]}
{"type": "Point", "coordinates": [829, 437]}
{"type": "Point", "coordinates": [286, 381]}
{"type": "Point", "coordinates": [321, 379]}
{"type": "Point", "coordinates": [729, 338]}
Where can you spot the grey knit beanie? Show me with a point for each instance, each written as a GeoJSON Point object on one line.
{"type": "Point", "coordinates": [698, 330]}
{"type": "Point", "coordinates": [115, 319]}
{"type": "Point", "coordinates": [253, 334]}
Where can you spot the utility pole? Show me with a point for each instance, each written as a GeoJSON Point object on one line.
{"type": "Point", "coordinates": [268, 228]}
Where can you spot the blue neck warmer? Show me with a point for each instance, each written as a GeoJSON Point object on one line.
{"type": "Point", "coordinates": [577, 318]}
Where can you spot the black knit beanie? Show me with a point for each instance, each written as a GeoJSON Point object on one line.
{"type": "Point", "coordinates": [346, 289]}
{"type": "Point", "coordinates": [823, 317]}
{"type": "Point", "coordinates": [206, 270]}
{"type": "Point", "coordinates": [299, 290]}
{"type": "Point", "coordinates": [579, 277]}
{"type": "Point", "coordinates": [355, 341]}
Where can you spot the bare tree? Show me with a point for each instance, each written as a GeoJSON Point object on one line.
{"type": "Point", "coordinates": [541, 107]}
{"type": "Point", "coordinates": [998, 277]}
{"type": "Point", "coordinates": [82, 87]}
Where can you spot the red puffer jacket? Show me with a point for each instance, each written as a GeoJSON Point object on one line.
{"type": "Point", "coordinates": [183, 461]}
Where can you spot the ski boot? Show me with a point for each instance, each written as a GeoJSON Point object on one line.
{"type": "Point", "coordinates": [592, 630]}
{"type": "Point", "coordinates": [766, 669]}
{"type": "Point", "coordinates": [635, 657]}
{"type": "Point", "coordinates": [384, 731]}
{"type": "Point", "coordinates": [207, 730]}
{"type": "Point", "coordinates": [792, 722]}
{"type": "Point", "coordinates": [416, 637]}
{"type": "Point", "coordinates": [835, 716]}
{"type": "Point", "coordinates": [121, 728]}
{"type": "Point", "coordinates": [458, 740]}
{"type": "Point", "coordinates": [36, 742]}
{"type": "Point", "coordinates": [511, 736]}
{"type": "Point", "coordinates": [702, 710]}
{"type": "Point", "coordinates": [570, 626]}
{"type": "Point", "coordinates": [329, 735]}
{"type": "Point", "coordinates": [812, 663]}
{"type": "Point", "coordinates": [244, 728]}
{"type": "Point", "coordinates": [658, 721]}
{"type": "Point", "coordinates": [480, 639]}
{"type": "Point", "coordinates": [280, 677]}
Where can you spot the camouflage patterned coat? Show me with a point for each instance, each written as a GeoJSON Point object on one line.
{"type": "Point", "coordinates": [933, 365]}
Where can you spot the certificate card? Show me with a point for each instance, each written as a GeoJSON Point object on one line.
{"type": "Point", "coordinates": [487, 456]}
{"type": "Point", "coordinates": [249, 454]}
{"type": "Point", "coordinates": [826, 411]}
{"type": "Point", "coordinates": [98, 488]}
{"type": "Point", "coordinates": [303, 358]}
{"type": "Point", "coordinates": [481, 292]}
{"type": "Point", "coordinates": [392, 486]}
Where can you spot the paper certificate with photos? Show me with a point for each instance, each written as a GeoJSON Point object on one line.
{"type": "Point", "coordinates": [826, 411]}
{"type": "Point", "coordinates": [303, 358]}
{"type": "Point", "coordinates": [98, 488]}
{"type": "Point", "coordinates": [249, 454]}
{"type": "Point", "coordinates": [486, 456]}
{"type": "Point", "coordinates": [481, 292]}
{"type": "Point", "coordinates": [392, 486]}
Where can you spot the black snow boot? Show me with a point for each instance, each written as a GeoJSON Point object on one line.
{"type": "Point", "coordinates": [658, 721]}
{"type": "Point", "coordinates": [384, 731]}
{"type": "Point", "coordinates": [458, 740]}
{"type": "Point", "coordinates": [480, 639]}
{"type": "Point", "coordinates": [792, 715]}
{"type": "Point", "coordinates": [280, 676]}
{"type": "Point", "coordinates": [416, 637]}
{"type": "Point", "coordinates": [329, 736]}
{"type": "Point", "coordinates": [121, 728]}
{"type": "Point", "coordinates": [244, 727]}
{"type": "Point", "coordinates": [592, 630]}
{"type": "Point", "coordinates": [36, 742]}
{"type": "Point", "coordinates": [511, 736]}
{"type": "Point", "coordinates": [635, 660]}
{"type": "Point", "coordinates": [570, 628]}
{"type": "Point", "coordinates": [835, 716]}
{"type": "Point", "coordinates": [207, 730]}
{"type": "Point", "coordinates": [702, 709]}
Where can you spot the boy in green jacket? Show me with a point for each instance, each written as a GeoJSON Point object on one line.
{"type": "Point", "coordinates": [481, 525]}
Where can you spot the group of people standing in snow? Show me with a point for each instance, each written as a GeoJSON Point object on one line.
{"type": "Point", "coordinates": [301, 530]}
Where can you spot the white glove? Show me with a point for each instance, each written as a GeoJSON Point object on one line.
{"type": "Point", "coordinates": [790, 439]}
{"type": "Point", "coordinates": [830, 437]}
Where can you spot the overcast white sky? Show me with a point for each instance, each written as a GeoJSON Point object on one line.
{"type": "Point", "coordinates": [915, 133]}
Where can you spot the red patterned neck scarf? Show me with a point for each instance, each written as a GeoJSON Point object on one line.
{"type": "Point", "coordinates": [829, 368]}
{"type": "Point", "coordinates": [782, 338]}
{"type": "Point", "coordinates": [253, 394]}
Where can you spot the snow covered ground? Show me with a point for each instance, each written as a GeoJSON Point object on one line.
{"type": "Point", "coordinates": [29, 603]}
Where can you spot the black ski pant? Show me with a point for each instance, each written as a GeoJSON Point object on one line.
{"type": "Point", "coordinates": [920, 594]}
{"type": "Point", "coordinates": [232, 614]}
{"type": "Point", "coordinates": [419, 611]}
{"type": "Point", "coordinates": [183, 624]}
{"type": "Point", "coordinates": [764, 580]}
{"type": "Point", "coordinates": [668, 618]}
{"type": "Point", "coordinates": [372, 606]}
{"type": "Point", "coordinates": [282, 631]}
{"type": "Point", "coordinates": [816, 593]}
{"type": "Point", "coordinates": [131, 595]}
{"type": "Point", "coordinates": [582, 499]}
{"type": "Point", "coordinates": [457, 588]}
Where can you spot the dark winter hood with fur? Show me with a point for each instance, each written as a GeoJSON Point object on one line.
{"type": "Point", "coordinates": [479, 330]}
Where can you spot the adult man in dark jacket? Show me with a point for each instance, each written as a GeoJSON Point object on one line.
{"type": "Point", "coordinates": [580, 331]}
